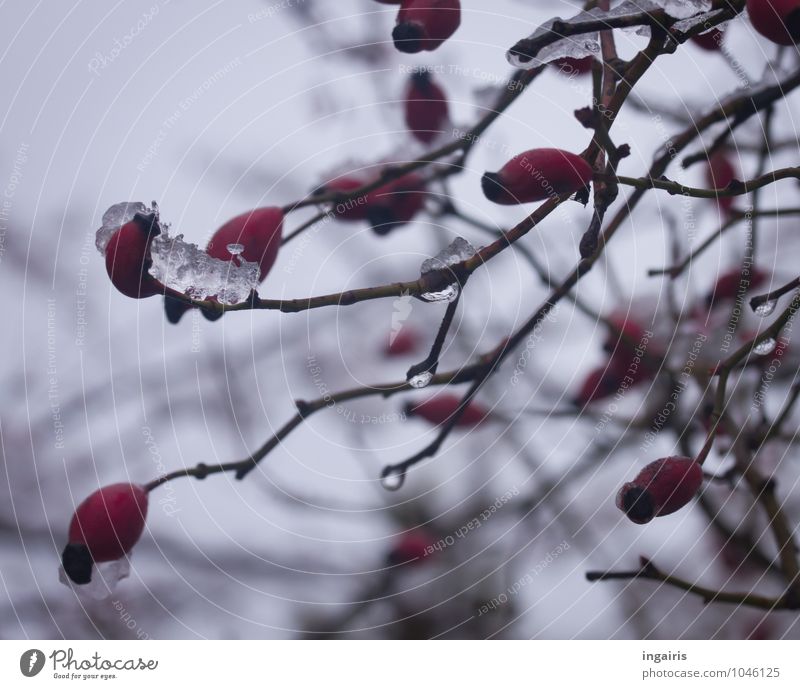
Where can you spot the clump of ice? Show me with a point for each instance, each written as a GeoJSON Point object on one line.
{"type": "Point", "coordinates": [114, 218]}
{"type": "Point", "coordinates": [105, 577]}
{"type": "Point", "coordinates": [188, 269]}
{"type": "Point", "coordinates": [681, 9]}
{"type": "Point", "coordinates": [458, 250]}
{"type": "Point", "coordinates": [588, 44]}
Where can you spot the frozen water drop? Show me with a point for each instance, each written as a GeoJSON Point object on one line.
{"type": "Point", "coordinates": [235, 249]}
{"type": "Point", "coordinates": [681, 9]}
{"type": "Point", "coordinates": [766, 308]}
{"type": "Point", "coordinates": [393, 478]}
{"type": "Point", "coordinates": [105, 577]}
{"type": "Point", "coordinates": [765, 347]}
{"type": "Point", "coordinates": [420, 380]}
{"type": "Point", "coordinates": [449, 293]}
{"type": "Point", "coordinates": [114, 218]}
{"type": "Point", "coordinates": [186, 268]}
{"type": "Point", "coordinates": [457, 251]}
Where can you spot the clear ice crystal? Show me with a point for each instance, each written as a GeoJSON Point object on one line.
{"type": "Point", "coordinates": [420, 380]}
{"type": "Point", "coordinates": [235, 249]}
{"type": "Point", "coordinates": [114, 218]}
{"type": "Point", "coordinates": [105, 577]}
{"type": "Point", "coordinates": [186, 268]}
{"type": "Point", "coordinates": [681, 9]}
{"type": "Point", "coordinates": [458, 250]}
{"type": "Point", "coordinates": [581, 45]}
{"type": "Point", "coordinates": [766, 309]}
{"type": "Point", "coordinates": [765, 347]}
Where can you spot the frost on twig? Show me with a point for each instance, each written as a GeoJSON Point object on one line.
{"type": "Point", "coordinates": [578, 37]}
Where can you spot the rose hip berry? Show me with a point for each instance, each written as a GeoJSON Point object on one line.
{"type": "Point", "coordinates": [720, 172]}
{"type": "Point", "coordinates": [439, 409]}
{"type": "Point", "coordinates": [105, 526]}
{"type": "Point", "coordinates": [777, 20]}
{"type": "Point", "coordinates": [710, 41]}
{"type": "Point", "coordinates": [661, 488]}
{"type": "Point", "coordinates": [536, 175]}
{"type": "Point", "coordinates": [411, 549]}
{"type": "Point", "coordinates": [128, 258]}
{"type": "Point", "coordinates": [426, 109]}
{"type": "Point", "coordinates": [425, 24]}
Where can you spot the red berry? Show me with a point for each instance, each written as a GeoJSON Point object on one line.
{"type": "Point", "coordinates": [536, 175]}
{"type": "Point", "coordinates": [258, 231]}
{"type": "Point", "coordinates": [425, 24]}
{"type": "Point", "coordinates": [128, 258]}
{"type": "Point", "coordinates": [710, 41]}
{"type": "Point", "coordinates": [411, 549]}
{"type": "Point", "coordinates": [574, 65]}
{"type": "Point", "coordinates": [778, 20]}
{"type": "Point", "coordinates": [727, 285]}
{"type": "Point", "coordinates": [600, 383]}
{"type": "Point", "coordinates": [354, 209]}
{"type": "Point", "coordinates": [437, 410]}
{"type": "Point", "coordinates": [426, 109]}
{"type": "Point", "coordinates": [406, 341]}
{"type": "Point", "coordinates": [720, 172]}
{"type": "Point", "coordinates": [661, 488]}
{"type": "Point", "coordinates": [395, 203]}
{"type": "Point", "coordinates": [105, 526]}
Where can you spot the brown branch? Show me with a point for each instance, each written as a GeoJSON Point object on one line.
{"type": "Point", "coordinates": [649, 572]}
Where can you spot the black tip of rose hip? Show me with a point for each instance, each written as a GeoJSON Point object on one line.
{"type": "Point", "coordinates": [211, 314]}
{"type": "Point", "coordinates": [382, 219]}
{"type": "Point", "coordinates": [408, 409]}
{"type": "Point", "coordinates": [638, 505]}
{"type": "Point", "coordinates": [421, 79]}
{"type": "Point", "coordinates": [77, 563]}
{"type": "Point", "coordinates": [792, 23]}
{"type": "Point", "coordinates": [408, 37]}
{"type": "Point", "coordinates": [492, 188]}
{"type": "Point", "coordinates": [148, 222]}
{"type": "Point", "coordinates": [174, 309]}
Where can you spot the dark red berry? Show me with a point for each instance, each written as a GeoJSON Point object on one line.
{"type": "Point", "coordinates": [720, 172]}
{"type": "Point", "coordinates": [426, 109]}
{"type": "Point", "coordinates": [574, 66]}
{"type": "Point", "coordinates": [437, 410]}
{"type": "Point", "coordinates": [536, 175]}
{"type": "Point", "coordinates": [396, 203]}
{"type": "Point", "coordinates": [728, 284]}
{"type": "Point", "coordinates": [710, 41]}
{"type": "Point", "coordinates": [105, 526]}
{"type": "Point", "coordinates": [778, 20]}
{"type": "Point", "coordinates": [406, 341]}
{"type": "Point", "coordinates": [661, 488]}
{"type": "Point", "coordinates": [425, 24]}
{"type": "Point", "coordinates": [411, 549]}
{"type": "Point", "coordinates": [128, 258]}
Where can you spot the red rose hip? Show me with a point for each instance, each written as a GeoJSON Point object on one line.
{"type": "Point", "coordinates": [439, 409]}
{"type": "Point", "coordinates": [105, 526]}
{"type": "Point", "coordinates": [425, 24]}
{"type": "Point", "coordinates": [777, 20]}
{"type": "Point", "coordinates": [426, 109]}
{"type": "Point", "coordinates": [128, 258]}
{"type": "Point", "coordinates": [661, 488]}
{"type": "Point", "coordinates": [536, 175]}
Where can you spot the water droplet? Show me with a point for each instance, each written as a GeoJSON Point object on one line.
{"type": "Point", "coordinates": [766, 308]}
{"type": "Point", "coordinates": [393, 478]}
{"type": "Point", "coordinates": [420, 380]}
{"type": "Point", "coordinates": [765, 347]}
{"type": "Point", "coordinates": [235, 249]}
{"type": "Point", "coordinates": [449, 293]}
